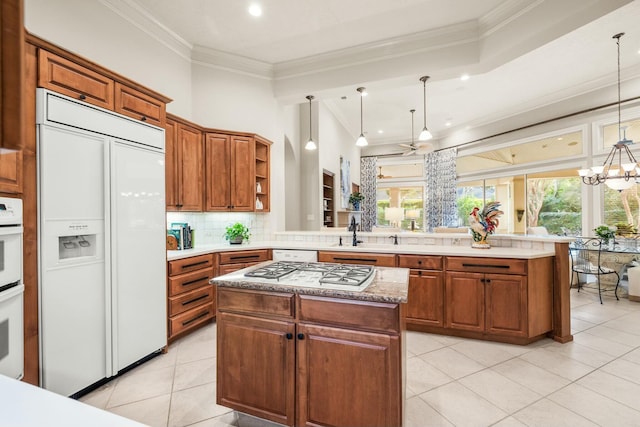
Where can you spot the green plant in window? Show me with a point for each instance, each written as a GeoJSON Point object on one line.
{"type": "Point", "coordinates": [605, 232]}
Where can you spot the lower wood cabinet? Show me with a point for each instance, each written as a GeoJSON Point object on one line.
{"type": "Point", "coordinates": [382, 260]}
{"type": "Point", "coordinates": [309, 360]}
{"type": "Point", "coordinates": [514, 306]}
{"type": "Point", "coordinates": [191, 296]}
{"type": "Point", "coordinates": [231, 261]}
{"type": "Point", "coordinates": [425, 302]}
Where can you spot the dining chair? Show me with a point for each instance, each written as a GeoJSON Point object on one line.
{"type": "Point", "coordinates": [586, 259]}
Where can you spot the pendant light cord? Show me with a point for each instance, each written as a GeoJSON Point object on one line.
{"type": "Point", "coordinates": [412, 111]}
{"type": "Point", "coordinates": [310, 98]}
{"type": "Point", "coordinates": [424, 99]}
{"type": "Point", "coordinates": [617, 37]}
{"type": "Point", "coordinates": [361, 127]}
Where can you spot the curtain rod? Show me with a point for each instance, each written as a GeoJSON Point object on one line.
{"type": "Point", "coordinates": [543, 122]}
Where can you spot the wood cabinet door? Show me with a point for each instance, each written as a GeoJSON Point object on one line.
{"type": "Point", "coordinates": [218, 168]}
{"type": "Point", "coordinates": [257, 382]}
{"type": "Point", "coordinates": [242, 175]}
{"type": "Point", "coordinates": [347, 375]}
{"type": "Point", "coordinates": [139, 106]}
{"type": "Point", "coordinates": [171, 165]}
{"type": "Point", "coordinates": [464, 296]}
{"type": "Point", "coordinates": [425, 302]}
{"type": "Point", "coordinates": [506, 304]}
{"type": "Point", "coordinates": [190, 177]}
{"type": "Point", "coordinates": [11, 172]}
{"type": "Point", "coordinates": [12, 68]}
{"type": "Point", "coordinates": [74, 80]}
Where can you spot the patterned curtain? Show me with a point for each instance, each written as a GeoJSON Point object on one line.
{"type": "Point", "coordinates": [368, 184]}
{"type": "Point", "coordinates": [440, 190]}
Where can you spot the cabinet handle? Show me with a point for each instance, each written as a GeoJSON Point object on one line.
{"type": "Point", "coordinates": [420, 273]}
{"type": "Point", "coordinates": [483, 280]}
{"type": "Point", "coordinates": [195, 299]}
{"type": "Point", "coordinates": [144, 119]}
{"type": "Point", "coordinates": [485, 266]}
{"type": "Point", "coordinates": [199, 316]}
{"type": "Point", "coordinates": [289, 335]}
{"type": "Point", "coordinates": [244, 257]}
{"type": "Point", "coordinates": [487, 281]}
{"type": "Point", "coordinates": [82, 97]}
{"type": "Point", "coordinates": [194, 264]}
{"type": "Point", "coordinates": [420, 262]}
{"type": "Point", "coordinates": [191, 282]}
{"type": "Point", "coordinates": [354, 259]}
{"type": "Point", "coordinates": [300, 336]}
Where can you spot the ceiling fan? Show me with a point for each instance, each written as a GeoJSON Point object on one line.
{"type": "Point", "coordinates": [380, 175]}
{"type": "Point", "coordinates": [420, 147]}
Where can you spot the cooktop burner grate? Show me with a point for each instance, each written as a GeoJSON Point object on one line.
{"type": "Point", "coordinates": [322, 273]}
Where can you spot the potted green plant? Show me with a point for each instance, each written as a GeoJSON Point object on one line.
{"type": "Point", "coordinates": [355, 199]}
{"type": "Point", "coordinates": [236, 233]}
{"type": "Point", "coordinates": [606, 233]}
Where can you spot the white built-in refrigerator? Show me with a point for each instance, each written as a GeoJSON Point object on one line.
{"type": "Point", "coordinates": [101, 240]}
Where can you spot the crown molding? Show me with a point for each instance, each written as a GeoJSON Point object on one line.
{"type": "Point", "coordinates": [147, 23]}
{"type": "Point", "coordinates": [504, 14]}
{"type": "Point", "coordinates": [382, 50]}
{"type": "Point", "coordinates": [214, 58]}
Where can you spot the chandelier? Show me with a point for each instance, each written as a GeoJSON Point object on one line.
{"type": "Point", "coordinates": [620, 169]}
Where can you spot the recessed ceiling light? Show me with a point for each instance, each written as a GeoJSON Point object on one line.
{"type": "Point", "coordinates": [447, 124]}
{"type": "Point", "coordinates": [560, 139]}
{"type": "Point", "coordinates": [464, 77]}
{"type": "Point", "coordinates": [380, 131]}
{"type": "Point", "coordinates": [255, 10]}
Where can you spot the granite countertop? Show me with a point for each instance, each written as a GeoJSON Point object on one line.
{"type": "Point", "coordinates": [415, 249]}
{"type": "Point", "coordinates": [389, 285]}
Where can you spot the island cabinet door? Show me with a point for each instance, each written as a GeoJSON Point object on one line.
{"type": "Point", "coordinates": [506, 304]}
{"type": "Point", "coordinates": [464, 296]}
{"type": "Point", "coordinates": [256, 366]}
{"type": "Point", "coordinates": [425, 301]}
{"type": "Point", "coordinates": [348, 378]}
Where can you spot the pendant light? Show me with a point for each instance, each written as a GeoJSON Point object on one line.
{"type": "Point", "coordinates": [619, 176]}
{"type": "Point", "coordinates": [425, 134]}
{"type": "Point", "coordinates": [310, 144]}
{"type": "Point", "coordinates": [361, 141]}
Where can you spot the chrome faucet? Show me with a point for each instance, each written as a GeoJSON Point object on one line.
{"type": "Point", "coordinates": [353, 227]}
{"type": "Point", "coordinates": [395, 239]}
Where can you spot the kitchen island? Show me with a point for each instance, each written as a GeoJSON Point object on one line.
{"type": "Point", "coordinates": [308, 355]}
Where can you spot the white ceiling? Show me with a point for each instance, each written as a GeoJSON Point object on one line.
{"type": "Point", "coordinates": [521, 54]}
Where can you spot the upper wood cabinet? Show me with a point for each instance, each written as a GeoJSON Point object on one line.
{"type": "Point", "coordinates": [230, 171]}
{"type": "Point", "coordinates": [183, 167]}
{"type": "Point", "coordinates": [11, 73]}
{"type": "Point", "coordinates": [79, 78]}
{"type": "Point", "coordinates": [263, 175]}
{"type": "Point", "coordinates": [138, 105]}
{"type": "Point", "coordinates": [71, 79]}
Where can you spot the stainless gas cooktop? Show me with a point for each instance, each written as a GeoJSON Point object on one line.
{"type": "Point", "coordinates": [316, 274]}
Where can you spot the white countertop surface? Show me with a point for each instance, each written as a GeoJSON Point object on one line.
{"type": "Point", "coordinates": [461, 250]}
{"type": "Point", "coordinates": [24, 405]}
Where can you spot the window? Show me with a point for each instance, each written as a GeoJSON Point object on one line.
{"type": "Point", "coordinates": [622, 207]}
{"type": "Point", "coordinates": [400, 193]}
{"type": "Point", "coordinates": [528, 197]}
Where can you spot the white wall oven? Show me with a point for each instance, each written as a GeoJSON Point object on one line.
{"type": "Point", "coordinates": [11, 288]}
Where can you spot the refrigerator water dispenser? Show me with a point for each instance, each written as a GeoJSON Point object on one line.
{"type": "Point", "coordinates": [76, 246]}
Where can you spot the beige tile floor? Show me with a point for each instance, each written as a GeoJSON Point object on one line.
{"type": "Point", "coordinates": [592, 381]}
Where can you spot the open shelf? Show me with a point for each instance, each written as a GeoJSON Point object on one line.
{"type": "Point", "coordinates": [328, 212]}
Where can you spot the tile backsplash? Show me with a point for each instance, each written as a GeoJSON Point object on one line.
{"type": "Point", "coordinates": [209, 226]}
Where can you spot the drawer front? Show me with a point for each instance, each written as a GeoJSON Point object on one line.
{"type": "Point", "coordinates": [255, 302]}
{"type": "Point", "coordinates": [138, 105]}
{"type": "Point", "coordinates": [190, 319]}
{"type": "Point", "coordinates": [246, 257]}
{"type": "Point", "coordinates": [229, 268]}
{"type": "Point", "coordinates": [68, 78]}
{"type": "Point", "coordinates": [185, 265]}
{"type": "Point", "coordinates": [187, 301]}
{"type": "Point", "coordinates": [364, 315]}
{"type": "Point", "coordinates": [189, 281]}
{"type": "Point", "coordinates": [423, 262]}
{"type": "Point", "coordinates": [487, 265]}
{"type": "Point", "coordinates": [381, 260]}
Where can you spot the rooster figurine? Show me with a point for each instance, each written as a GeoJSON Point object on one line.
{"type": "Point", "coordinates": [484, 222]}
